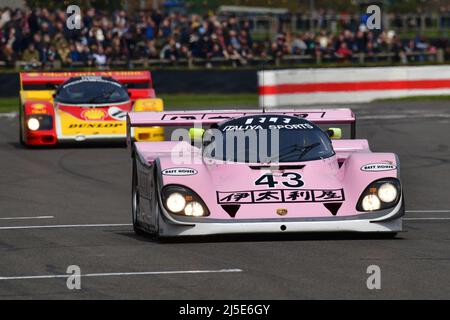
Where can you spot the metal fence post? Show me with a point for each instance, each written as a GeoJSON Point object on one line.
{"type": "Point", "coordinates": [363, 58]}
{"type": "Point", "coordinates": [440, 55]}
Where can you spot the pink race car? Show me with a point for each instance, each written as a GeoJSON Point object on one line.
{"type": "Point", "coordinates": [261, 172]}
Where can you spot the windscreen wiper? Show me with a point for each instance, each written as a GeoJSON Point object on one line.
{"type": "Point", "coordinates": [104, 95]}
{"type": "Point", "coordinates": [295, 148]}
{"type": "Point", "coordinates": [307, 149]}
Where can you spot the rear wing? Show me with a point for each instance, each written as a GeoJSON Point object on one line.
{"type": "Point", "coordinates": [39, 80]}
{"type": "Point", "coordinates": [139, 83]}
{"type": "Point", "coordinates": [192, 118]}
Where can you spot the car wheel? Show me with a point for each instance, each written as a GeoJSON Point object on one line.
{"type": "Point", "coordinates": [389, 235]}
{"type": "Point", "coordinates": [135, 203]}
{"type": "Point", "coordinates": [22, 142]}
{"type": "Point", "coordinates": [384, 235]}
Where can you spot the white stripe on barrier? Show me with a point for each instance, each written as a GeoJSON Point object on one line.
{"type": "Point", "coordinates": [281, 88]}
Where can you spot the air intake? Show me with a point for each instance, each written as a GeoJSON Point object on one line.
{"type": "Point", "coordinates": [231, 209]}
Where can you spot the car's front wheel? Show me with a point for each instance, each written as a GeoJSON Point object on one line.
{"type": "Point", "coordinates": [22, 141]}
{"type": "Point", "coordinates": [389, 235]}
{"type": "Point", "coordinates": [135, 202]}
{"type": "Point", "coordinates": [383, 235]}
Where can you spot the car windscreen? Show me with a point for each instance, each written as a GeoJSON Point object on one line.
{"type": "Point", "coordinates": [92, 91]}
{"type": "Point", "coordinates": [294, 141]}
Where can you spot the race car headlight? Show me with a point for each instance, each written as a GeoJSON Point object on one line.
{"type": "Point", "coordinates": [371, 202]}
{"type": "Point", "coordinates": [194, 209]}
{"type": "Point", "coordinates": [387, 192]}
{"type": "Point", "coordinates": [39, 122]}
{"type": "Point", "coordinates": [33, 124]}
{"type": "Point", "coordinates": [183, 201]}
{"type": "Point", "coordinates": [176, 202]}
{"type": "Point", "coordinates": [380, 194]}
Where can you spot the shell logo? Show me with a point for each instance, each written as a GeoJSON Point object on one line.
{"type": "Point", "coordinates": [93, 114]}
{"type": "Point", "coordinates": [38, 106]}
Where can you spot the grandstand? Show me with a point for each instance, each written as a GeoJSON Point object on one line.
{"type": "Point", "coordinates": [164, 33]}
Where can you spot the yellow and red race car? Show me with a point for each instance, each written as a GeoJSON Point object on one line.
{"type": "Point", "coordinates": [84, 106]}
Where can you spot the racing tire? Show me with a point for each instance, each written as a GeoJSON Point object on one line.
{"type": "Point", "coordinates": [22, 142]}
{"type": "Point", "coordinates": [135, 203]}
{"type": "Point", "coordinates": [389, 235]}
{"type": "Point", "coordinates": [384, 235]}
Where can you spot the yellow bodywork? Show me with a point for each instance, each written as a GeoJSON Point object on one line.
{"type": "Point", "coordinates": [151, 133]}
{"type": "Point", "coordinates": [72, 126]}
{"type": "Point", "coordinates": [36, 95]}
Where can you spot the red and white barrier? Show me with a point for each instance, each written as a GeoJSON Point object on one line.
{"type": "Point", "coordinates": [282, 88]}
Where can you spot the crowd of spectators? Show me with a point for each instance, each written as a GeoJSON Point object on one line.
{"type": "Point", "coordinates": [41, 37]}
{"type": "Point", "coordinates": [444, 12]}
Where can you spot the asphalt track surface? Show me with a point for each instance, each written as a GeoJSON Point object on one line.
{"type": "Point", "coordinates": [71, 206]}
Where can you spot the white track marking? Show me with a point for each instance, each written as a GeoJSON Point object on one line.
{"type": "Point", "coordinates": [425, 219]}
{"type": "Point", "coordinates": [27, 218]}
{"type": "Point", "coordinates": [427, 211]}
{"type": "Point", "coordinates": [56, 226]}
{"type": "Point", "coordinates": [121, 274]}
{"type": "Point", "coordinates": [9, 115]}
{"type": "Point", "coordinates": [403, 116]}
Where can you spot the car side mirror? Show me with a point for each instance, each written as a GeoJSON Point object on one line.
{"type": "Point", "coordinates": [334, 133]}
{"type": "Point", "coordinates": [196, 134]}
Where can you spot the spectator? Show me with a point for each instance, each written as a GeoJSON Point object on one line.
{"type": "Point", "coordinates": [50, 55]}
{"type": "Point", "coordinates": [64, 53]}
{"type": "Point", "coordinates": [5, 17]}
{"type": "Point", "coordinates": [30, 54]}
{"type": "Point", "coordinates": [109, 38]}
{"type": "Point", "coordinates": [171, 51]}
{"type": "Point", "coordinates": [86, 56]}
{"type": "Point", "coordinates": [99, 57]}
{"type": "Point", "coordinates": [360, 43]}
{"type": "Point", "coordinates": [343, 53]}
{"type": "Point", "coordinates": [75, 54]}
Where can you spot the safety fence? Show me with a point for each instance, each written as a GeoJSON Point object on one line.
{"type": "Point", "coordinates": [436, 56]}
{"type": "Point", "coordinates": [412, 22]}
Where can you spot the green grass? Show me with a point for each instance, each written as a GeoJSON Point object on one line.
{"type": "Point", "coordinates": [176, 101]}
{"type": "Point", "coordinates": [418, 98]}
{"type": "Point", "coordinates": [9, 104]}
